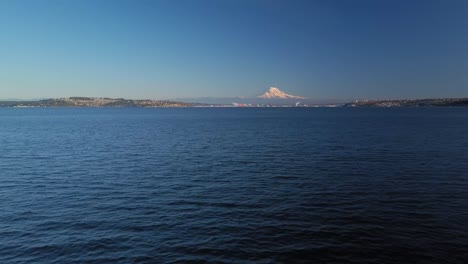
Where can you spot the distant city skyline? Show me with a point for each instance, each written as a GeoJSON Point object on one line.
{"type": "Point", "coordinates": [324, 50]}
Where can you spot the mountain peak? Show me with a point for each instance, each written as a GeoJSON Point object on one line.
{"type": "Point", "coordinates": [275, 93]}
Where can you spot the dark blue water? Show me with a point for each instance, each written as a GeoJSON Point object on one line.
{"type": "Point", "coordinates": [234, 185]}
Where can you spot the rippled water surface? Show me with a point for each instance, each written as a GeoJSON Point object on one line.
{"type": "Point", "coordinates": [271, 185]}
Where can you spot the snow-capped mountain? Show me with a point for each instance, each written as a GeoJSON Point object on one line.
{"type": "Point", "coordinates": [275, 93]}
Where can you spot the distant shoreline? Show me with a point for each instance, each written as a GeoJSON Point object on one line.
{"type": "Point", "coordinates": [438, 102]}
{"type": "Point", "coordinates": [147, 103]}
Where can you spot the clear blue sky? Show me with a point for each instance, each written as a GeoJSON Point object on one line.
{"type": "Point", "coordinates": [165, 49]}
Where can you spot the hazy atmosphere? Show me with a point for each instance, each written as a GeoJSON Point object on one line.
{"type": "Point", "coordinates": [338, 50]}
